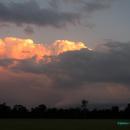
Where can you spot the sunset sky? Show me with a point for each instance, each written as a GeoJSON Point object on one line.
{"type": "Point", "coordinates": [59, 52]}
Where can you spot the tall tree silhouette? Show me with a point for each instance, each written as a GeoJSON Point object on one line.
{"type": "Point", "coordinates": [128, 108]}
{"type": "Point", "coordinates": [84, 104]}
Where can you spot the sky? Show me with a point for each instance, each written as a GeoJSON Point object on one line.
{"type": "Point", "coordinates": [59, 52]}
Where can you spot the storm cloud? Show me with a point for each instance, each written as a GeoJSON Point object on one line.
{"type": "Point", "coordinates": [100, 75]}
{"type": "Point", "coordinates": [31, 13]}
{"type": "Point", "coordinates": [107, 63]}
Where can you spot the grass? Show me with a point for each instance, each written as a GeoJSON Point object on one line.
{"type": "Point", "coordinates": [60, 124]}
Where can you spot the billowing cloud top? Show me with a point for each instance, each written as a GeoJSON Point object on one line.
{"type": "Point", "coordinates": [16, 48]}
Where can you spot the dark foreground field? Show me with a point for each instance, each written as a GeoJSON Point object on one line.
{"type": "Point", "coordinates": [61, 124]}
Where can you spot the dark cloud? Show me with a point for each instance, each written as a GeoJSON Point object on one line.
{"type": "Point", "coordinates": [96, 5]}
{"type": "Point", "coordinates": [85, 8]}
{"type": "Point", "coordinates": [5, 62]}
{"type": "Point", "coordinates": [54, 4]}
{"type": "Point", "coordinates": [91, 6]}
{"type": "Point", "coordinates": [31, 13]}
{"type": "Point", "coordinates": [110, 66]}
{"type": "Point", "coordinates": [29, 30]}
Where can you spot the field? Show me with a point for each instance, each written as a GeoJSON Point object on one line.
{"type": "Point", "coordinates": [61, 124]}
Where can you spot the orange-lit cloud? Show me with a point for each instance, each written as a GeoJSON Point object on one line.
{"type": "Point", "coordinates": [17, 48]}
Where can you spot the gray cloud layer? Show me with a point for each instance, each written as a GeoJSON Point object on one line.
{"type": "Point", "coordinates": [30, 12]}
{"type": "Point", "coordinates": [96, 5]}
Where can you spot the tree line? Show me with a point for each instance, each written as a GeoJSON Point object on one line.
{"type": "Point", "coordinates": [81, 112]}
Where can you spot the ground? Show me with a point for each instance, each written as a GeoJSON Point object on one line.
{"type": "Point", "coordinates": [62, 124]}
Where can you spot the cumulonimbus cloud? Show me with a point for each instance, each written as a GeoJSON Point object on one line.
{"type": "Point", "coordinates": [99, 74]}
{"type": "Point", "coordinates": [77, 63]}
{"type": "Point", "coordinates": [108, 63]}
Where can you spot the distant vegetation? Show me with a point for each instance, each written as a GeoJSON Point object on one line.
{"type": "Point", "coordinates": [81, 112]}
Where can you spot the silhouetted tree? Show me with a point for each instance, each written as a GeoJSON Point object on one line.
{"type": "Point", "coordinates": [84, 104]}
{"type": "Point", "coordinates": [128, 108]}
{"type": "Point", "coordinates": [19, 109]}
{"type": "Point", "coordinates": [115, 109]}
{"type": "Point", "coordinates": [41, 111]}
{"type": "Point", "coordinates": [4, 108]}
